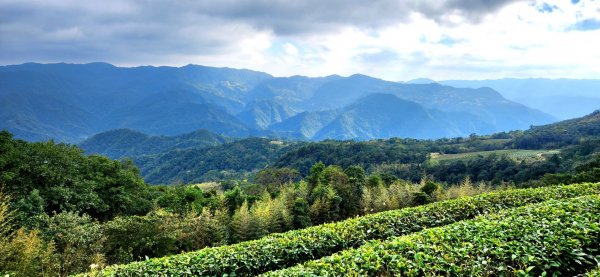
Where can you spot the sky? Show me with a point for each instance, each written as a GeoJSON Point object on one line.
{"type": "Point", "coordinates": [392, 40]}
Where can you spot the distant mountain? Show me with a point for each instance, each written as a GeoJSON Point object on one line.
{"type": "Point", "coordinates": [420, 81]}
{"type": "Point", "coordinates": [384, 116]}
{"type": "Point", "coordinates": [562, 98]}
{"type": "Point", "coordinates": [71, 102]}
{"type": "Point", "coordinates": [120, 143]}
{"type": "Point", "coordinates": [291, 91]}
{"type": "Point", "coordinates": [306, 124]}
{"type": "Point", "coordinates": [264, 113]}
{"type": "Point", "coordinates": [485, 103]}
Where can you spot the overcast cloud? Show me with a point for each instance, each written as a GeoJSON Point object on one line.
{"type": "Point", "coordinates": [394, 40]}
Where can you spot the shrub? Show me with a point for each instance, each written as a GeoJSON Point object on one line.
{"type": "Point", "coordinates": [557, 237]}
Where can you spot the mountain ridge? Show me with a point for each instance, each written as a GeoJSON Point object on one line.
{"type": "Point", "coordinates": [71, 102]}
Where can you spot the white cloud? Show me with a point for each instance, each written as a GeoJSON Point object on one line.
{"type": "Point", "coordinates": [466, 39]}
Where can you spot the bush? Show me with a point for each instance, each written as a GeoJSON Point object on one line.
{"type": "Point", "coordinates": [286, 249]}
{"type": "Point", "coordinates": [25, 253]}
{"type": "Point", "coordinates": [557, 237]}
{"type": "Point", "coordinates": [78, 241]}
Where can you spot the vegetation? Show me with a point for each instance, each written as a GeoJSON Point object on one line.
{"type": "Point", "coordinates": [514, 154]}
{"type": "Point", "coordinates": [499, 158]}
{"type": "Point", "coordinates": [61, 199]}
{"type": "Point", "coordinates": [557, 237]}
{"type": "Point", "coordinates": [593, 273]}
{"type": "Point", "coordinates": [229, 161]}
{"type": "Point", "coordinates": [121, 143]}
{"type": "Point", "coordinates": [63, 212]}
{"type": "Point", "coordinates": [286, 249]}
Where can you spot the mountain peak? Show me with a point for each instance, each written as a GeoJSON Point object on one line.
{"type": "Point", "coordinates": [421, 81]}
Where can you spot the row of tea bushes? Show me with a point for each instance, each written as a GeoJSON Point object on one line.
{"type": "Point", "coordinates": [553, 238]}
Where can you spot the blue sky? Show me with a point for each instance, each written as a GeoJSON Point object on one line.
{"type": "Point", "coordinates": [393, 40]}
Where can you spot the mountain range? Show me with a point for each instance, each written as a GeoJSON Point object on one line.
{"type": "Point", "coordinates": [562, 98]}
{"type": "Point", "coordinates": [71, 102]}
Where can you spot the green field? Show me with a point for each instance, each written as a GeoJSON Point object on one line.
{"type": "Point", "coordinates": [515, 154]}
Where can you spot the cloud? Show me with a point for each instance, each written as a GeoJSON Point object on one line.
{"type": "Point", "coordinates": [286, 17]}
{"type": "Point", "coordinates": [396, 40]}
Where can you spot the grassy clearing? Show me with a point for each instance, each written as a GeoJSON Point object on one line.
{"type": "Point", "coordinates": [208, 186]}
{"type": "Point", "coordinates": [515, 154]}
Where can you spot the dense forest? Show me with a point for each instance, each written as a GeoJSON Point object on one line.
{"type": "Point", "coordinates": [62, 211]}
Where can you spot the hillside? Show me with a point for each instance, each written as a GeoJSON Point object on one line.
{"type": "Point", "coordinates": [491, 158]}
{"type": "Point", "coordinates": [59, 196]}
{"type": "Point", "coordinates": [233, 160]}
{"type": "Point", "coordinates": [72, 102]}
{"type": "Point", "coordinates": [560, 134]}
{"type": "Point", "coordinates": [121, 143]}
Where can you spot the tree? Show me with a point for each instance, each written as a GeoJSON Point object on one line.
{"type": "Point", "coordinates": [300, 214]}
{"type": "Point", "coordinates": [315, 176]}
{"type": "Point", "coordinates": [273, 178]}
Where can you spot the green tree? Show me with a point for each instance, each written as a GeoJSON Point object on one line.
{"type": "Point", "coordinates": [300, 214]}
{"type": "Point", "coordinates": [78, 241]}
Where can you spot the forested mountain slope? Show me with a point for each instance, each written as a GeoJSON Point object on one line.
{"type": "Point", "coordinates": [71, 102]}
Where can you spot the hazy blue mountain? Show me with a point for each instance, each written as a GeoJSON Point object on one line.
{"type": "Point", "coordinates": [382, 116]}
{"type": "Point", "coordinates": [264, 113]}
{"type": "Point", "coordinates": [121, 143]}
{"type": "Point", "coordinates": [341, 92]}
{"type": "Point", "coordinates": [386, 116]}
{"type": "Point", "coordinates": [420, 81]}
{"type": "Point", "coordinates": [485, 103]}
{"type": "Point", "coordinates": [177, 112]}
{"type": "Point", "coordinates": [290, 91]}
{"type": "Point", "coordinates": [562, 98]}
{"type": "Point", "coordinates": [70, 102]}
{"type": "Point", "coordinates": [42, 117]}
{"type": "Point", "coordinates": [306, 124]}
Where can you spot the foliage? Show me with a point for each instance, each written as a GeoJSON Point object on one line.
{"type": "Point", "coordinates": [181, 199]}
{"type": "Point", "coordinates": [78, 241]}
{"type": "Point", "coordinates": [593, 273]}
{"type": "Point", "coordinates": [201, 164]}
{"type": "Point", "coordinates": [281, 250]}
{"type": "Point", "coordinates": [120, 143]}
{"type": "Point", "coordinates": [557, 237]}
{"type": "Point", "coordinates": [560, 134]}
{"type": "Point", "coordinates": [25, 253]}
{"type": "Point", "coordinates": [273, 178]}
{"type": "Point", "coordinates": [58, 177]}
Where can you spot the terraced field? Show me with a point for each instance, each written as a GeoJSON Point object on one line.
{"type": "Point", "coordinates": [542, 231]}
